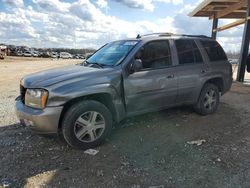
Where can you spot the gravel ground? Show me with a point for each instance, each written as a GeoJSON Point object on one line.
{"type": "Point", "coordinates": [144, 151]}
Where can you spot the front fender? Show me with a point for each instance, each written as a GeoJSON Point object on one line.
{"type": "Point", "coordinates": [60, 99]}
{"type": "Point", "coordinates": [60, 96]}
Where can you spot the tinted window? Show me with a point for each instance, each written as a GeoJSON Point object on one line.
{"type": "Point", "coordinates": [197, 53]}
{"type": "Point", "coordinates": [156, 55]}
{"type": "Point", "coordinates": [214, 50]}
{"type": "Point", "coordinates": [188, 52]}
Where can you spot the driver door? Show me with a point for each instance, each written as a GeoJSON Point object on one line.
{"type": "Point", "coordinates": [155, 85]}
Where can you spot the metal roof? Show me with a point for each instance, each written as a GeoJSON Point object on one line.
{"type": "Point", "coordinates": [221, 8]}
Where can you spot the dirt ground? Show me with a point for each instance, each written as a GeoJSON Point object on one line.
{"type": "Point", "coordinates": [145, 151]}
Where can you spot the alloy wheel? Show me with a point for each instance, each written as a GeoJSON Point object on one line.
{"type": "Point", "coordinates": [89, 126]}
{"type": "Point", "coordinates": [210, 99]}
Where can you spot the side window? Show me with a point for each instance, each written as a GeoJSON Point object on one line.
{"type": "Point", "coordinates": [156, 54]}
{"type": "Point", "coordinates": [197, 53]}
{"type": "Point", "coordinates": [214, 50]}
{"type": "Point", "coordinates": [188, 52]}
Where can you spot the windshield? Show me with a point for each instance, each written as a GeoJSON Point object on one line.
{"type": "Point", "coordinates": [112, 53]}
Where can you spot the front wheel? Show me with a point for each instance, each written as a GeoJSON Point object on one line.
{"type": "Point", "coordinates": [86, 124]}
{"type": "Point", "coordinates": [209, 100]}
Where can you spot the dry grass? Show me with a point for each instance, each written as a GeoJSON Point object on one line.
{"type": "Point", "coordinates": [14, 68]}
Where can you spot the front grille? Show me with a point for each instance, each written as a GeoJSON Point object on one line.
{"type": "Point", "coordinates": [22, 93]}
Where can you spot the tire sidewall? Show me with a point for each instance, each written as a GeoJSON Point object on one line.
{"type": "Point", "coordinates": [74, 112]}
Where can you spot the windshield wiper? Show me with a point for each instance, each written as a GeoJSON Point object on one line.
{"type": "Point", "coordinates": [94, 63]}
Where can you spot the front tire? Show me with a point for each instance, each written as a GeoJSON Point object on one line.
{"type": "Point", "coordinates": [86, 124]}
{"type": "Point", "coordinates": [208, 101]}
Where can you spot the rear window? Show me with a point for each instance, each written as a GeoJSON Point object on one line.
{"type": "Point", "coordinates": [214, 51]}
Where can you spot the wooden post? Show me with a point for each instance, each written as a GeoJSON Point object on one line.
{"type": "Point", "coordinates": [214, 31]}
{"type": "Point", "coordinates": [244, 47]}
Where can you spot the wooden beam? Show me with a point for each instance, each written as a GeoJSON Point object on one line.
{"type": "Point", "coordinates": [199, 8]}
{"type": "Point", "coordinates": [234, 24]}
{"type": "Point", "coordinates": [230, 9]}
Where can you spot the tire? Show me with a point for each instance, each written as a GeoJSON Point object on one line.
{"type": "Point", "coordinates": [86, 124]}
{"type": "Point", "coordinates": [208, 101]}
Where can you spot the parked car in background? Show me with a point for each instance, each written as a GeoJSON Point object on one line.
{"type": "Point", "coordinates": [78, 56]}
{"type": "Point", "coordinates": [75, 56]}
{"type": "Point", "coordinates": [88, 55]}
{"type": "Point", "coordinates": [122, 79]}
{"type": "Point", "coordinates": [54, 55]}
{"type": "Point", "coordinates": [81, 56]}
{"type": "Point", "coordinates": [65, 55]}
{"type": "Point", "coordinates": [27, 54]}
{"type": "Point", "coordinates": [35, 54]}
{"type": "Point", "coordinates": [44, 54]}
{"type": "Point", "coordinates": [19, 53]}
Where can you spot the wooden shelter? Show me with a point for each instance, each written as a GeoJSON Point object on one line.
{"type": "Point", "coordinates": [228, 9]}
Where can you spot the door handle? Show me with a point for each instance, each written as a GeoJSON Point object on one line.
{"type": "Point", "coordinates": [170, 76]}
{"type": "Point", "coordinates": [203, 71]}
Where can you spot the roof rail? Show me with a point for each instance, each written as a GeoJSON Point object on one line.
{"type": "Point", "coordinates": [149, 34]}
{"type": "Point", "coordinates": [184, 35]}
{"type": "Point", "coordinates": [171, 34]}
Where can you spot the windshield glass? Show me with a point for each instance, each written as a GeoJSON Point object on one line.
{"type": "Point", "coordinates": [112, 53]}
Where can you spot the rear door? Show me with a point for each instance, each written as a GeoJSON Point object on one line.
{"type": "Point", "coordinates": [155, 85]}
{"type": "Point", "coordinates": [191, 70]}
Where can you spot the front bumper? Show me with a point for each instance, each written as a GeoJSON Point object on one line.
{"type": "Point", "coordinates": [43, 121]}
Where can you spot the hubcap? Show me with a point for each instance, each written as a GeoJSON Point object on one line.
{"type": "Point", "coordinates": [89, 126]}
{"type": "Point", "coordinates": [210, 99]}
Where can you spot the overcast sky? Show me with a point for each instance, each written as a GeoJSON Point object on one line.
{"type": "Point", "coordinates": [88, 23]}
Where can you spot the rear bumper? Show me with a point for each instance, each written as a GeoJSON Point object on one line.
{"type": "Point", "coordinates": [227, 85]}
{"type": "Point", "coordinates": [42, 121]}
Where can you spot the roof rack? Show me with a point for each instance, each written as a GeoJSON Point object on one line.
{"type": "Point", "coordinates": [171, 34]}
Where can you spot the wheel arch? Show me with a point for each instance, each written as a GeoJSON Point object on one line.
{"type": "Point", "coordinates": [218, 81]}
{"type": "Point", "coordinates": [104, 98]}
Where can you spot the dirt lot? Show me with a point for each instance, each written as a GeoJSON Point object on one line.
{"type": "Point", "coordinates": [144, 151]}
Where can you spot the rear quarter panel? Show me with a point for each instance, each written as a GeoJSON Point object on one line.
{"type": "Point", "coordinates": [217, 69]}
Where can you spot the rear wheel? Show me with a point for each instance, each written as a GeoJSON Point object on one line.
{"type": "Point", "coordinates": [86, 124]}
{"type": "Point", "coordinates": [209, 100]}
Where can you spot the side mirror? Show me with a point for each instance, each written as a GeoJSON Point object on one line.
{"type": "Point", "coordinates": [137, 65]}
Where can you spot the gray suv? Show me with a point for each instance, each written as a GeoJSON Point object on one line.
{"type": "Point", "coordinates": [124, 78]}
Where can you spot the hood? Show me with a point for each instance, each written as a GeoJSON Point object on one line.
{"type": "Point", "coordinates": [54, 76]}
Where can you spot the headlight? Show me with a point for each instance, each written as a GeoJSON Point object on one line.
{"type": "Point", "coordinates": [36, 98]}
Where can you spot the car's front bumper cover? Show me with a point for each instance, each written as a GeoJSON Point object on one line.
{"type": "Point", "coordinates": [43, 121]}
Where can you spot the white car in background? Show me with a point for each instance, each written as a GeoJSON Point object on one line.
{"type": "Point", "coordinates": [27, 54]}
{"type": "Point", "coordinates": [65, 55]}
